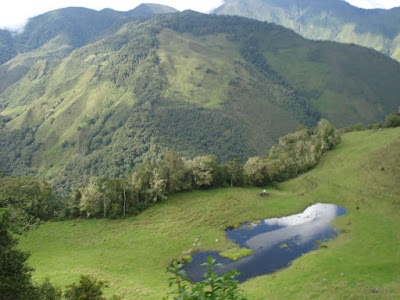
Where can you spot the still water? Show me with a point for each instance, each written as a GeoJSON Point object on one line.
{"type": "Point", "coordinates": [275, 242]}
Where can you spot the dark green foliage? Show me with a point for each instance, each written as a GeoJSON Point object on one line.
{"type": "Point", "coordinates": [7, 49]}
{"type": "Point", "coordinates": [233, 172]}
{"type": "Point", "coordinates": [356, 127]}
{"type": "Point", "coordinates": [28, 198]}
{"type": "Point", "coordinates": [298, 152]}
{"type": "Point", "coordinates": [214, 286]}
{"type": "Point", "coordinates": [47, 291]}
{"type": "Point", "coordinates": [15, 277]}
{"type": "Point", "coordinates": [392, 120]}
{"type": "Point", "coordinates": [17, 148]}
{"type": "Point", "coordinates": [217, 132]}
{"type": "Point", "coordinates": [88, 288]}
{"type": "Point", "coordinates": [375, 126]}
{"type": "Point", "coordinates": [173, 170]}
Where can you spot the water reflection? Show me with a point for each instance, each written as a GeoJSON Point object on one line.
{"type": "Point", "coordinates": [275, 242]}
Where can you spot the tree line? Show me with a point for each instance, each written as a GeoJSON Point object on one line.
{"type": "Point", "coordinates": [32, 199]}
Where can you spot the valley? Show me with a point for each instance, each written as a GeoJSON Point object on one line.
{"type": "Point", "coordinates": [131, 140]}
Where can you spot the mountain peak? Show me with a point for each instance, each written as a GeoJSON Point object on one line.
{"type": "Point", "coordinates": [151, 10]}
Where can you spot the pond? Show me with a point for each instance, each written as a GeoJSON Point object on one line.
{"type": "Point", "coordinates": [275, 242]}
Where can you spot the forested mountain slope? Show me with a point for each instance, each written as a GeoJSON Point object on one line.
{"type": "Point", "coordinates": [334, 20]}
{"type": "Point", "coordinates": [56, 34]}
{"type": "Point", "coordinates": [194, 83]}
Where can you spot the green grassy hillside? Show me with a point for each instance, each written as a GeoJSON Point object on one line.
{"type": "Point", "coordinates": [362, 175]}
{"type": "Point", "coordinates": [333, 20]}
{"type": "Point", "coordinates": [198, 84]}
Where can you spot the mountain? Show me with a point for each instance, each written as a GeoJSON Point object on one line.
{"type": "Point", "coordinates": [57, 33]}
{"type": "Point", "coordinates": [149, 10]}
{"type": "Point", "coordinates": [198, 84]}
{"type": "Point", "coordinates": [333, 20]}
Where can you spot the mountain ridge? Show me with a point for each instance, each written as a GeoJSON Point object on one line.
{"type": "Point", "coordinates": [334, 20]}
{"type": "Point", "coordinates": [57, 33]}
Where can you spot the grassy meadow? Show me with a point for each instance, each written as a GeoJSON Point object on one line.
{"type": "Point", "coordinates": [362, 175]}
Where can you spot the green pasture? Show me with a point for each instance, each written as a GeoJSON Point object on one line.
{"type": "Point", "coordinates": [362, 175]}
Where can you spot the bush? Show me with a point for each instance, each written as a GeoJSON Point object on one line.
{"type": "Point", "coordinates": [88, 288]}
{"type": "Point", "coordinates": [46, 291]}
{"type": "Point", "coordinates": [352, 128]}
{"type": "Point", "coordinates": [375, 126]}
{"type": "Point", "coordinates": [213, 286]}
{"type": "Point", "coordinates": [392, 120]}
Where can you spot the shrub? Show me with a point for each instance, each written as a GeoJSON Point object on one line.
{"type": "Point", "coordinates": [88, 288]}
{"type": "Point", "coordinates": [392, 120]}
{"type": "Point", "coordinates": [213, 286]}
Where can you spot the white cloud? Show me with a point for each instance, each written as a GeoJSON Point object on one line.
{"type": "Point", "coordinates": [375, 3]}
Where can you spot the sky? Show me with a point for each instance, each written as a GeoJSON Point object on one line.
{"type": "Point", "coordinates": [15, 13]}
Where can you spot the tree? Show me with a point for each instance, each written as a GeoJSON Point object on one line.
{"type": "Point", "coordinates": [46, 291]}
{"type": "Point", "coordinates": [201, 170]}
{"type": "Point", "coordinates": [256, 172]}
{"type": "Point", "coordinates": [15, 276]}
{"type": "Point", "coordinates": [88, 288]}
{"type": "Point", "coordinates": [392, 120]}
{"type": "Point", "coordinates": [114, 194]}
{"type": "Point", "coordinates": [157, 190]}
{"type": "Point", "coordinates": [140, 182]}
{"type": "Point", "coordinates": [91, 201]}
{"type": "Point", "coordinates": [28, 198]}
{"type": "Point", "coordinates": [234, 172]}
{"type": "Point", "coordinates": [173, 171]}
{"type": "Point", "coordinates": [326, 136]}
